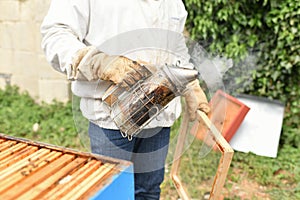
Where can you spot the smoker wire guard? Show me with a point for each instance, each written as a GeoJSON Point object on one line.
{"type": "Point", "coordinates": [224, 163]}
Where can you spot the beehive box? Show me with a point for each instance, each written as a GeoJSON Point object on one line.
{"type": "Point", "coordinates": [32, 170]}
{"type": "Point", "coordinates": [227, 114]}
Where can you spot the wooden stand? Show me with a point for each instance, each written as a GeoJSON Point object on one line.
{"type": "Point", "coordinates": [224, 163]}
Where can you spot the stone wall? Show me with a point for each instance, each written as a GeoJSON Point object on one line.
{"type": "Point", "coordinates": [22, 61]}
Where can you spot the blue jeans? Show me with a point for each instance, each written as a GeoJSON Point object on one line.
{"type": "Point", "coordinates": [147, 151]}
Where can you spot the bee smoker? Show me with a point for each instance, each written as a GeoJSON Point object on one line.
{"type": "Point", "coordinates": [134, 108]}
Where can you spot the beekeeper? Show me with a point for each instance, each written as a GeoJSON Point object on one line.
{"type": "Point", "coordinates": [97, 43]}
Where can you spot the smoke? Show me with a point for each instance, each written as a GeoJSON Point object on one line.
{"type": "Point", "coordinates": [240, 77]}
{"type": "Point", "coordinates": [220, 72]}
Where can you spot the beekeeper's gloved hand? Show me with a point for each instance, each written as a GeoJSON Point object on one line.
{"type": "Point", "coordinates": [91, 64]}
{"type": "Point", "coordinates": [195, 99]}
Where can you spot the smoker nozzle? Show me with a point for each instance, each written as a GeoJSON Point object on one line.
{"type": "Point", "coordinates": [180, 76]}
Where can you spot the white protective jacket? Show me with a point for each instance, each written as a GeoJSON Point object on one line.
{"type": "Point", "coordinates": [116, 27]}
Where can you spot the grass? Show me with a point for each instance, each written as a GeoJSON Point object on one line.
{"type": "Point", "coordinates": [54, 123]}
{"type": "Point", "coordinates": [250, 176]}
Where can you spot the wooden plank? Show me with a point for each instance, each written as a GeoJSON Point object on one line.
{"type": "Point", "coordinates": [180, 142]}
{"type": "Point", "coordinates": [215, 132]}
{"type": "Point", "coordinates": [10, 151]}
{"type": "Point", "coordinates": [22, 163]}
{"type": "Point", "coordinates": [35, 179]}
{"type": "Point", "coordinates": [17, 156]}
{"type": "Point", "coordinates": [224, 164]}
{"type": "Point", "coordinates": [34, 192]}
{"type": "Point", "coordinates": [105, 181]}
{"type": "Point", "coordinates": [227, 154]}
{"type": "Point", "coordinates": [221, 174]}
{"type": "Point", "coordinates": [177, 158]}
{"type": "Point", "coordinates": [67, 150]}
{"type": "Point", "coordinates": [84, 186]}
{"type": "Point", "coordinates": [75, 178]}
{"type": "Point", "coordinates": [27, 170]}
{"type": "Point", "coordinates": [6, 145]}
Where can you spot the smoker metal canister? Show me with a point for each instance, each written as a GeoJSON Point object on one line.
{"type": "Point", "coordinates": [132, 110]}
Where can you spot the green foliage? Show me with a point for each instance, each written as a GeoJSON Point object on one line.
{"type": "Point", "coordinates": [269, 31]}
{"type": "Point", "coordinates": [19, 112]}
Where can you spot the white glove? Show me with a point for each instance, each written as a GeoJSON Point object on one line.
{"type": "Point", "coordinates": [91, 64]}
{"type": "Point", "coordinates": [195, 99]}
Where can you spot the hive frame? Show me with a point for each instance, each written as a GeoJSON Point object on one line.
{"type": "Point", "coordinates": [224, 163]}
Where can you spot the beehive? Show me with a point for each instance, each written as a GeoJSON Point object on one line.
{"type": "Point", "coordinates": [32, 170]}
{"type": "Point", "coordinates": [227, 114]}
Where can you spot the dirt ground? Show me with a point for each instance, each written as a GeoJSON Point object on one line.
{"type": "Point", "coordinates": [245, 190]}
